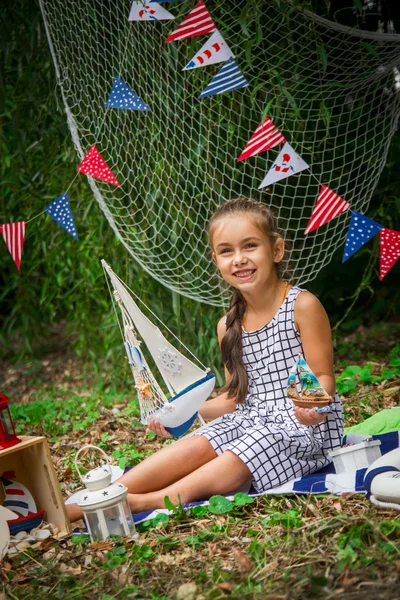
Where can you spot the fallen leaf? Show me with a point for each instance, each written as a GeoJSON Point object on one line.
{"type": "Point", "coordinates": [338, 505]}
{"type": "Point", "coordinates": [225, 586]}
{"type": "Point", "coordinates": [63, 568]}
{"type": "Point", "coordinates": [243, 561]}
{"type": "Point", "coordinates": [186, 591]}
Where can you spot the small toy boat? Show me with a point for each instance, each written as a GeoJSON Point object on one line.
{"type": "Point", "coordinates": [19, 499]}
{"type": "Point", "coordinates": [312, 394]}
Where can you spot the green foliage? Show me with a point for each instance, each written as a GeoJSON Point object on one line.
{"type": "Point", "coordinates": [289, 519]}
{"type": "Point", "coordinates": [353, 376]}
{"type": "Point", "coordinates": [53, 415]}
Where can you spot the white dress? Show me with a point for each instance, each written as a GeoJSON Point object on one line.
{"type": "Point", "coordinates": [263, 431]}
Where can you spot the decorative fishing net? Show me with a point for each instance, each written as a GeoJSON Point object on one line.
{"type": "Point", "coordinates": [331, 91]}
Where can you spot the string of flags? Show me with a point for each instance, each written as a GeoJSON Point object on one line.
{"type": "Point", "coordinates": [266, 136]}
{"type": "Point", "coordinates": [329, 204]}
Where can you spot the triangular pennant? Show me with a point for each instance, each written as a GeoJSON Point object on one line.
{"type": "Point", "coordinates": [266, 136]}
{"type": "Point", "coordinates": [60, 211]}
{"type": "Point", "coordinates": [227, 79]}
{"type": "Point", "coordinates": [361, 230]}
{"type": "Point", "coordinates": [328, 206]}
{"type": "Point", "coordinates": [94, 165]}
{"type": "Point", "coordinates": [121, 96]}
{"type": "Point", "coordinates": [390, 250]}
{"type": "Point", "coordinates": [14, 237]}
{"type": "Point", "coordinates": [215, 50]}
{"type": "Point", "coordinates": [197, 22]}
{"type": "Point", "coordinates": [149, 11]}
{"type": "Point", "coordinates": [288, 163]}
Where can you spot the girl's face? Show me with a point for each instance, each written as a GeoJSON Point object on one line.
{"type": "Point", "coordinates": [244, 254]}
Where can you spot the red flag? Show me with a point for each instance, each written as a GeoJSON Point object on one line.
{"type": "Point", "coordinates": [94, 165]}
{"type": "Point", "coordinates": [390, 250]}
{"type": "Point", "coordinates": [328, 206]}
{"type": "Point", "coordinates": [266, 136]}
{"type": "Point", "coordinates": [198, 22]}
{"type": "Point", "coordinates": [14, 236]}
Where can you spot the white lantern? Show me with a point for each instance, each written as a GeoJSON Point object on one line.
{"type": "Point", "coordinates": [105, 505]}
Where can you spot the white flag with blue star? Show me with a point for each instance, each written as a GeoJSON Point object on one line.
{"type": "Point", "coordinates": [121, 96]}
{"type": "Point", "coordinates": [60, 211]}
{"type": "Point", "coordinates": [361, 230]}
{"type": "Point", "coordinates": [227, 79]}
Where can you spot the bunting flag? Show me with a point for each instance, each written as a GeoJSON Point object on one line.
{"type": "Point", "coordinates": [94, 165]}
{"type": "Point", "coordinates": [390, 250]}
{"type": "Point", "coordinates": [121, 96]}
{"type": "Point", "coordinates": [227, 79]}
{"type": "Point", "coordinates": [361, 230]}
{"type": "Point", "coordinates": [266, 136]}
{"type": "Point", "coordinates": [149, 11]}
{"type": "Point", "coordinates": [215, 50]}
{"type": "Point", "coordinates": [288, 163]}
{"type": "Point", "coordinates": [328, 206]}
{"type": "Point", "coordinates": [14, 236]}
{"type": "Point", "coordinates": [197, 22]}
{"type": "Point", "coordinates": [60, 211]}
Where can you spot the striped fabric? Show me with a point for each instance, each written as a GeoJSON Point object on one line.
{"type": "Point", "coordinates": [328, 206]}
{"type": "Point", "coordinates": [227, 79]}
{"type": "Point", "coordinates": [198, 22]}
{"type": "Point", "coordinates": [14, 236]}
{"type": "Point", "coordinates": [266, 136]}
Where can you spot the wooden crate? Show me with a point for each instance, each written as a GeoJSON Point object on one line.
{"type": "Point", "coordinates": [33, 468]}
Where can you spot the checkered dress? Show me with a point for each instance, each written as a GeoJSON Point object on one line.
{"type": "Point", "coordinates": [263, 431]}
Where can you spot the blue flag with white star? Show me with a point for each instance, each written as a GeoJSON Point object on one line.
{"type": "Point", "coordinates": [60, 211]}
{"type": "Point", "coordinates": [228, 78]}
{"type": "Point", "coordinates": [121, 96]}
{"type": "Point", "coordinates": [361, 230]}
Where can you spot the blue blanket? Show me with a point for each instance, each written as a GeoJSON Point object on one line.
{"type": "Point", "coordinates": [325, 481]}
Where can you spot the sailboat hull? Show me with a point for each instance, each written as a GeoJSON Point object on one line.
{"type": "Point", "coordinates": [180, 412]}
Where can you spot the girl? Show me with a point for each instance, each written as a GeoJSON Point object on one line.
{"type": "Point", "coordinates": [262, 438]}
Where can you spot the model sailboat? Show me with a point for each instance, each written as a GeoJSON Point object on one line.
{"type": "Point", "coordinates": [189, 384]}
{"type": "Point", "coordinates": [312, 394]}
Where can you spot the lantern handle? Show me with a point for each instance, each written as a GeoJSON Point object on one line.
{"type": "Point", "coordinates": [95, 448]}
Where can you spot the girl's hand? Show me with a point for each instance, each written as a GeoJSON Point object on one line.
{"type": "Point", "coordinates": [156, 427]}
{"type": "Point", "coordinates": [308, 417]}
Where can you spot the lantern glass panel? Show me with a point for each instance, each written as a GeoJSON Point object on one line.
{"type": "Point", "coordinates": [128, 515]}
{"type": "Point", "coordinates": [93, 524]}
{"type": "Point", "coordinates": [6, 425]}
{"type": "Point", "coordinates": [114, 522]}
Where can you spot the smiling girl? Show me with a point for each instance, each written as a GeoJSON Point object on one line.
{"type": "Point", "coordinates": [262, 438]}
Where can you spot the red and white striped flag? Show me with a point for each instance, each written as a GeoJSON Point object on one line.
{"type": "Point", "coordinates": [14, 235]}
{"type": "Point", "coordinates": [390, 250]}
{"type": "Point", "coordinates": [328, 206]}
{"type": "Point", "coordinates": [266, 136]}
{"type": "Point", "coordinates": [198, 22]}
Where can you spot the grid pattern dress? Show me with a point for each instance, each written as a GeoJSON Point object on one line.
{"type": "Point", "coordinates": [263, 431]}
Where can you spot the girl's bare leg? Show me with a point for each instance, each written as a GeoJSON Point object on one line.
{"type": "Point", "coordinates": [219, 476]}
{"type": "Point", "coordinates": [168, 465]}
{"type": "Point", "coordinates": [162, 468]}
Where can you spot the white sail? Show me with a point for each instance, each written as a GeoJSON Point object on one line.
{"type": "Point", "coordinates": [177, 371]}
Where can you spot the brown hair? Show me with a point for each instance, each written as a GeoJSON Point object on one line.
{"type": "Point", "coordinates": [231, 345]}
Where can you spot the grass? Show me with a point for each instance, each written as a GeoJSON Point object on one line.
{"type": "Point", "coordinates": [274, 548]}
